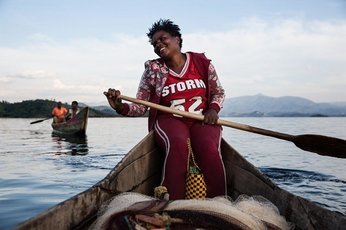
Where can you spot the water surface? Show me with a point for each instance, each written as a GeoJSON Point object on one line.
{"type": "Point", "coordinates": [39, 170]}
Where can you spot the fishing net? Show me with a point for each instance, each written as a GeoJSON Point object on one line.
{"type": "Point", "coordinates": [137, 211]}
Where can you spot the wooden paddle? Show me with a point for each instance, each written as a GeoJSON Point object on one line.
{"type": "Point", "coordinates": [322, 145]}
{"type": "Point", "coordinates": [38, 121]}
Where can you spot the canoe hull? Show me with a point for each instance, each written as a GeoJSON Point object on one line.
{"type": "Point", "coordinates": [75, 126]}
{"type": "Point", "coordinates": [244, 178]}
{"type": "Point", "coordinates": [80, 211]}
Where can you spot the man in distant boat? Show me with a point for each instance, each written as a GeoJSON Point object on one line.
{"type": "Point", "coordinates": [59, 113]}
{"type": "Point", "coordinates": [73, 111]}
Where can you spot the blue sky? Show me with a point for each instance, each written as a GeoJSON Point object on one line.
{"type": "Point", "coordinates": [74, 50]}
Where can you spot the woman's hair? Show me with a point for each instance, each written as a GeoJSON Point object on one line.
{"type": "Point", "coordinates": [167, 26]}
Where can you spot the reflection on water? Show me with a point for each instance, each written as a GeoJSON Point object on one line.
{"type": "Point", "coordinates": [70, 145]}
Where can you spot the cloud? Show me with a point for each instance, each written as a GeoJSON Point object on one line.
{"type": "Point", "coordinates": [41, 37]}
{"type": "Point", "coordinates": [290, 57]}
{"type": "Point", "coordinates": [35, 74]}
{"type": "Point", "coordinates": [60, 86]}
{"type": "Point", "coordinates": [287, 58]}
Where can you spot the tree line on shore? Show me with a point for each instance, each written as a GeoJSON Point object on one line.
{"type": "Point", "coordinates": [39, 108]}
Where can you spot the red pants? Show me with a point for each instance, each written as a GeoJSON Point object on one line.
{"type": "Point", "coordinates": [171, 135]}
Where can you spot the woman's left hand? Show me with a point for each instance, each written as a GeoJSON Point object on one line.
{"type": "Point", "coordinates": [211, 117]}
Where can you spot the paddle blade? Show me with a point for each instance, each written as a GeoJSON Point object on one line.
{"type": "Point", "coordinates": [323, 145]}
{"type": "Point", "coordinates": [38, 121]}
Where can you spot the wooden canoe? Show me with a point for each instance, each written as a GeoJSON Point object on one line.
{"type": "Point", "coordinates": [140, 171]}
{"type": "Point", "coordinates": [75, 126]}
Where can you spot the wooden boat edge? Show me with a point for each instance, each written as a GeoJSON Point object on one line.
{"type": "Point", "coordinates": [296, 209]}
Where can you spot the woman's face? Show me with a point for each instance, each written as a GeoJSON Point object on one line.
{"type": "Point", "coordinates": [165, 45]}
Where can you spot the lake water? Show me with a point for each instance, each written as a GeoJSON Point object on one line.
{"type": "Point", "coordinates": [39, 170]}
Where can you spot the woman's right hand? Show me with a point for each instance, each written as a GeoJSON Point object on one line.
{"type": "Point", "coordinates": [113, 100]}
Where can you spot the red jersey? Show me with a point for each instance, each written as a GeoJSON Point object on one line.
{"type": "Point", "coordinates": [185, 91]}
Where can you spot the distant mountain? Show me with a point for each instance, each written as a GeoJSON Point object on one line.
{"type": "Point", "coordinates": [264, 106]}
{"type": "Point", "coordinates": [106, 110]}
{"type": "Point", "coordinates": [339, 103]}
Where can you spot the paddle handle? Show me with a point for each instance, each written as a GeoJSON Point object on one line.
{"type": "Point", "coordinates": [200, 117]}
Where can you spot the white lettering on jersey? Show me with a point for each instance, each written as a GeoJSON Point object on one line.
{"type": "Point", "coordinates": [165, 91]}
{"type": "Point", "coordinates": [200, 83]}
{"type": "Point", "coordinates": [190, 84]}
{"type": "Point", "coordinates": [182, 86]}
{"type": "Point", "coordinates": [179, 104]}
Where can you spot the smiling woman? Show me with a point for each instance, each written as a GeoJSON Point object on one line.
{"type": "Point", "coordinates": [185, 81]}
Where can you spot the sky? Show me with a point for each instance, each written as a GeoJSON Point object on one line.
{"type": "Point", "coordinates": [75, 50]}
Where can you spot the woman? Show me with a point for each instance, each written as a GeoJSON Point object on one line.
{"type": "Point", "coordinates": [185, 81]}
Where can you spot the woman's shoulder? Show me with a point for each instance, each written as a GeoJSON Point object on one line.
{"type": "Point", "coordinates": [154, 61]}
{"type": "Point", "coordinates": [196, 55]}
{"type": "Point", "coordinates": [155, 64]}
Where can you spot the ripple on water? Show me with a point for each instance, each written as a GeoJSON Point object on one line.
{"type": "Point", "coordinates": [323, 189]}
